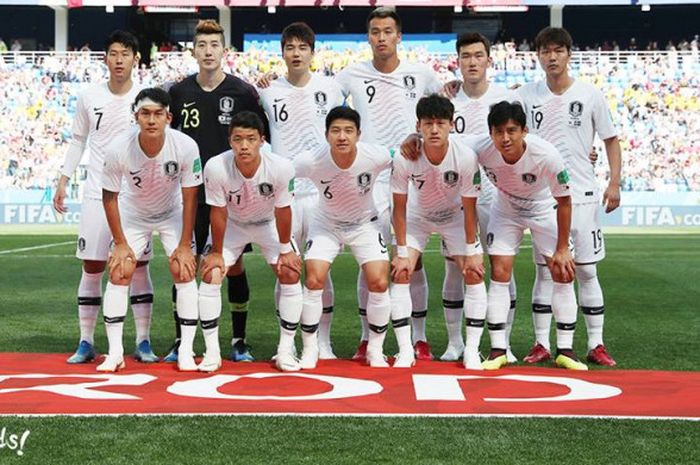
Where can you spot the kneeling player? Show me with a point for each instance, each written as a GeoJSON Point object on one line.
{"type": "Point", "coordinates": [344, 173]}
{"type": "Point", "coordinates": [527, 172]}
{"type": "Point", "coordinates": [446, 180]}
{"type": "Point", "coordinates": [161, 169]}
{"type": "Point", "coordinates": [250, 195]}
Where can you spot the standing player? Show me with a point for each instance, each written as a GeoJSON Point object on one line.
{"type": "Point", "coordinates": [527, 172]}
{"type": "Point", "coordinates": [297, 106]}
{"type": "Point", "coordinates": [569, 113]}
{"type": "Point", "coordinates": [385, 91]}
{"type": "Point", "coordinates": [250, 197]}
{"type": "Point", "coordinates": [160, 170]}
{"type": "Point", "coordinates": [472, 103]}
{"type": "Point", "coordinates": [345, 172]}
{"type": "Point", "coordinates": [446, 179]}
{"type": "Point", "coordinates": [104, 112]}
{"type": "Point", "coordinates": [203, 105]}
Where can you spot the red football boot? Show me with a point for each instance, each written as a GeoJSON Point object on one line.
{"type": "Point", "coordinates": [600, 356]}
{"type": "Point", "coordinates": [422, 350]}
{"type": "Point", "coordinates": [537, 354]}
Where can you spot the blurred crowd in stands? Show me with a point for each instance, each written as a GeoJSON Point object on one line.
{"type": "Point", "coordinates": [654, 100]}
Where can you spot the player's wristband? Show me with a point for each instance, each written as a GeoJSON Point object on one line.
{"type": "Point", "coordinates": [474, 249]}
{"type": "Point", "coordinates": [286, 248]}
{"type": "Point", "coordinates": [402, 251]}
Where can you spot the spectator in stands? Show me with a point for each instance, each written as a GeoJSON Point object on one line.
{"type": "Point", "coordinates": [16, 46]}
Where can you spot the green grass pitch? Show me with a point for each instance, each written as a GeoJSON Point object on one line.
{"type": "Point", "coordinates": [652, 322]}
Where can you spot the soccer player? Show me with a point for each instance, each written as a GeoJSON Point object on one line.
{"type": "Point", "coordinates": [157, 171]}
{"type": "Point", "coordinates": [345, 172]}
{"type": "Point", "coordinates": [446, 180]}
{"type": "Point", "coordinates": [297, 105]}
{"type": "Point", "coordinates": [203, 106]}
{"type": "Point", "coordinates": [527, 172]}
{"type": "Point", "coordinates": [569, 113]}
{"type": "Point", "coordinates": [104, 112]}
{"type": "Point", "coordinates": [472, 103]}
{"type": "Point", "coordinates": [250, 197]}
{"type": "Point", "coordinates": [385, 91]}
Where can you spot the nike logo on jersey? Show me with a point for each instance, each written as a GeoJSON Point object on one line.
{"type": "Point", "coordinates": [326, 182]}
{"type": "Point", "coordinates": [535, 107]}
{"type": "Point", "coordinates": [97, 108]}
{"type": "Point", "coordinates": [187, 105]}
{"type": "Point", "coordinates": [367, 81]}
{"type": "Point", "coordinates": [134, 172]}
{"type": "Point", "coordinates": [277, 100]}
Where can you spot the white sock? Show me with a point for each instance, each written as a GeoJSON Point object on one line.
{"type": "Point", "coordinates": [453, 302]}
{"type": "Point", "coordinates": [290, 306]}
{"type": "Point", "coordinates": [590, 298]}
{"type": "Point", "coordinates": [475, 307]}
{"type": "Point", "coordinates": [564, 309]}
{"type": "Point", "coordinates": [188, 311]}
{"type": "Point", "coordinates": [378, 313]}
{"type": "Point", "coordinates": [116, 299]}
{"type": "Point", "coordinates": [89, 303]}
{"type": "Point", "coordinates": [328, 299]}
{"type": "Point", "coordinates": [401, 314]}
{"type": "Point", "coordinates": [497, 313]}
{"type": "Point", "coordinates": [362, 298]}
{"type": "Point", "coordinates": [513, 290]}
{"type": "Point", "coordinates": [209, 313]}
{"type": "Point", "coordinates": [542, 305]}
{"type": "Point", "coordinates": [310, 316]}
{"type": "Point", "coordinates": [141, 297]}
{"type": "Point", "coordinates": [419, 301]}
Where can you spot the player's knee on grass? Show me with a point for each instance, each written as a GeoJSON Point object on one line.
{"type": "Point", "coordinates": [587, 272]}
{"type": "Point", "coordinates": [314, 281]}
{"type": "Point", "coordinates": [287, 276]}
{"type": "Point", "coordinates": [175, 272]}
{"type": "Point", "coordinates": [94, 266]}
{"type": "Point", "coordinates": [121, 276]}
{"type": "Point", "coordinates": [472, 278]}
{"type": "Point", "coordinates": [500, 270]}
{"type": "Point", "coordinates": [377, 280]}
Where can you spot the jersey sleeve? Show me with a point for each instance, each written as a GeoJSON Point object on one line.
{"type": "Point", "coordinates": [213, 188]}
{"type": "Point", "coordinates": [112, 171]}
{"type": "Point", "coordinates": [602, 121]}
{"type": "Point", "coordinates": [399, 176]}
{"type": "Point", "coordinates": [192, 167]}
{"type": "Point", "coordinates": [558, 176]}
{"type": "Point", "coordinates": [471, 176]}
{"type": "Point", "coordinates": [285, 186]}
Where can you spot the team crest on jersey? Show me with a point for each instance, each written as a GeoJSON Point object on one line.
{"type": "Point", "coordinates": [409, 82]}
{"type": "Point", "coordinates": [226, 105]}
{"type": "Point", "coordinates": [320, 98]}
{"type": "Point", "coordinates": [529, 178]}
{"type": "Point", "coordinates": [171, 169]}
{"type": "Point", "coordinates": [575, 112]}
{"type": "Point", "coordinates": [450, 178]}
{"type": "Point", "coordinates": [364, 179]}
{"type": "Point", "coordinates": [491, 175]}
{"type": "Point", "coordinates": [266, 189]}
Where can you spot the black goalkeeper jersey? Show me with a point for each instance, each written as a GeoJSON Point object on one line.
{"type": "Point", "coordinates": [205, 116]}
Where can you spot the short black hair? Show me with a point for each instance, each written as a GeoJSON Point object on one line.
{"type": "Point", "coordinates": [473, 38]}
{"type": "Point", "coordinates": [504, 111]}
{"type": "Point", "coordinates": [342, 113]}
{"type": "Point", "coordinates": [299, 30]}
{"type": "Point", "coordinates": [247, 120]}
{"type": "Point", "coordinates": [385, 12]}
{"type": "Point", "coordinates": [157, 94]}
{"type": "Point", "coordinates": [126, 38]}
{"type": "Point", "coordinates": [553, 35]}
{"type": "Point", "coordinates": [435, 106]}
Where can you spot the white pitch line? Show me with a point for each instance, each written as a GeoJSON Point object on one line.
{"type": "Point", "coordinates": [36, 247]}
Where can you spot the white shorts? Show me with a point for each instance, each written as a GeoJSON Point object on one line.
{"type": "Point", "coordinates": [586, 234]}
{"type": "Point", "coordinates": [505, 233]}
{"type": "Point", "coordinates": [139, 234]}
{"type": "Point", "coordinates": [304, 207]}
{"type": "Point", "coordinates": [452, 234]}
{"type": "Point", "coordinates": [238, 235]}
{"type": "Point", "coordinates": [366, 242]}
{"type": "Point", "coordinates": [381, 193]}
{"type": "Point", "coordinates": [94, 236]}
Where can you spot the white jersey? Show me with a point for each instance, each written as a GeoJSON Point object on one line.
{"type": "Point", "coordinates": [438, 189]}
{"type": "Point", "coordinates": [346, 194]}
{"type": "Point", "coordinates": [100, 117]}
{"type": "Point", "coordinates": [249, 201]}
{"type": "Point", "coordinates": [297, 116]}
{"type": "Point", "coordinates": [387, 102]}
{"type": "Point", "coordinates": [570, 122]}
{"type": "Point", "coordinates": [527, 187]}
{"type": "Point", "coordinates": [152, 185]}
{"type": "Point", "coordinates": [471, 117]}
